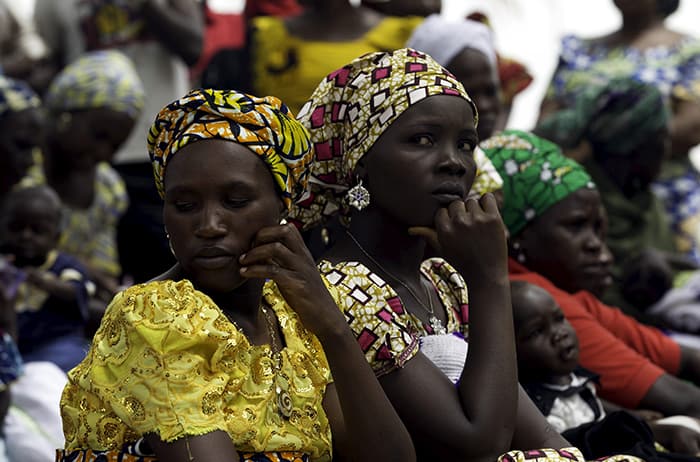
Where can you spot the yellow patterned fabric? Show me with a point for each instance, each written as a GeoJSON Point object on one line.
{"type": "Point", "coordinates": [560, 455]}
{"type": "Point", "coordinates": [263, 125]}
{"type": "Point", "coordinates": [290, 67]}
{"type": "Point", "coordinates": [349, 111]}
{"type": "Point", "coordinates": [122, 456]}
{"type": "Point", "coordinates": [167, 360]}
{"type": "Point", "coordinates": [387, 333]}
{"type": "Point", "coordinates": [91, 234]}
{"type": "Point", "coordinates": [487, 178]}
{"type": "Point", "coordinates": [99, 79]}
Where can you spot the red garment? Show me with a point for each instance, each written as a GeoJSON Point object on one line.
{"type": "Point", "coordinates": [628, 356]}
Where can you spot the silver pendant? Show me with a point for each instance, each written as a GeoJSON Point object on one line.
{"type": "Point", "coordinates": [437, 326]}
{"type": "Point", "coordinates": [284, 402]}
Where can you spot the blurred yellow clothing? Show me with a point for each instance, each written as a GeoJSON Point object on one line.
{"type": "Point", "coordinates": [167, 360]}
{"type": "Point", "coordinates": [291, 68]}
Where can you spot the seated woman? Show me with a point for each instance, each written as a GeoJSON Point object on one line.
{"type": "Point", "coordinates": [239, 352]}
{"type": "Point", "coordinates": [557, 227]}
{"type": "Point", "coordinates": [389, 160]}
{"type": "Point", "coordinates": [626, 124]}
{"type": "Point", "coordinates": [646, 49]}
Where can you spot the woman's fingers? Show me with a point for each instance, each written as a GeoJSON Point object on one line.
{"type": "Point", "coordinates": [286, 234]}
{"type": "Point", "coordinates": [274, 252]}
{"type": "Point", "coordinates": [429, 234]}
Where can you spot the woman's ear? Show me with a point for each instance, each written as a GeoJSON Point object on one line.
{"type": "Point", "coordinates": [360, 170]}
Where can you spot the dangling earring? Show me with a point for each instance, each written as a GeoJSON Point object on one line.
{"type": "Point", "coordinates": [358, 196]}
{"type": "Point", "coordinates": [170, 244]}
{"type": "Point", "coordinates": [519, 254]}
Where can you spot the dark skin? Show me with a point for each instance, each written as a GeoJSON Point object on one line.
{"type": "Point", "coordinates": [566, 244]}
{"type": "Point", "coordinates": [332, 21]}
{"type": "Point", "coordinates": [582, 260]}
{"type": "Point", "coordinates": [76, 142]}
{"type": "Point", "coordinates": [405, 7]}
{"type": "Point", "coordinates": [30, 230]}
{"type": "Point", "coordinates": [643, 27]}
{"type": "Point", "coordinates": [473, 421]}
{"type": "Point", "coordinates": [546, 343]}
{"type": "Point", "coordinates": [648, 274]}
{"type": "Point", "coordinates": [473, 69]}
{"type": "Point", "coordinates": [548, 353]}
{"type": "Point", "coordinates": [18, 138]}
{"type": "Point", "coordinates": [633, 172]}
{"type": "Point", "coordinates": [223, 218]}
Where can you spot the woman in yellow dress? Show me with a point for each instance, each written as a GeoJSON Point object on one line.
{"type": "Point", "coordinates": [238, 352]}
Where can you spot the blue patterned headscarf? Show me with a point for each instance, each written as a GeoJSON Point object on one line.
{"type": "Point", "coordinates": [16, 96]}
{"type": "Point", "coordinates": [100, 79]}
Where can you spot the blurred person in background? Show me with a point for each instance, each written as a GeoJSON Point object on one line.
{"type": "Point", "coordinates": [161, 37]}
{"type": "Point", "coordinates": [645, 49]}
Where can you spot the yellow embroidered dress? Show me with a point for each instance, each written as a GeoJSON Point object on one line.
{"type": "Point", "coordinates": [167, 360]}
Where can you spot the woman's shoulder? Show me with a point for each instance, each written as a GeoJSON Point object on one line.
{"type": "Point", "coordinates": [439, 269]}
{"type": "Point", "coordinates": [167, 304]}
{"type": "Point", "coordinates": [352, 274]}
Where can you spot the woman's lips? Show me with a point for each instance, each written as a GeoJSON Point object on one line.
{"type": "Point", "coordinates": [213, 262]}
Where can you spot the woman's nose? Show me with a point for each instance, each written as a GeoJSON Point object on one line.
{"type": "Point", "coordinates": [210, 224]}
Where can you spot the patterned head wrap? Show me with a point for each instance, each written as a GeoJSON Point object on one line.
{"type": "Point", "coordinates": [100, 79]}
{"type": "Point", "coordinates": [615, 117]}
{"type": "Point", "coordinates": [349, 111]}
{"type": "Point", "coordinates": [16, 96]}
{"type": "Point", "coordinates": [443, 40]}
{"type": "Point", "coordinates": [487, 178]}
{"type": "Point", "coordinates": [263, 125]}
{"type": "Point", "coordinates": [535, 173]}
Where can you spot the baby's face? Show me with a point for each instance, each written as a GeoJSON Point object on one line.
{"type": "Point", "coordinates": [30, 231]}
{"type": "Point", "coordinates": [546, 342]}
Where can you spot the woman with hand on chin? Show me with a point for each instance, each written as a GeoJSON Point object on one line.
{"type": "Point", "coordinates": [394, 135]}
{"type": "Point", "coordinates": [239, 352]}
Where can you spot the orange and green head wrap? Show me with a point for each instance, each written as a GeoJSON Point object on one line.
{"type": "Point", "coordinates": [263, 125]}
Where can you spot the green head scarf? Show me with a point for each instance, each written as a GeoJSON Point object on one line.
{"type": "Point", "coordinates": [615, 116]}
{"type": "Point", "coordinates": [535, 173]}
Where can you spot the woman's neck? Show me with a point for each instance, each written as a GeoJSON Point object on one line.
{"type": "Point", "coordinates": [635, 26]}
{"type": "Point", "coordinates": [333, 21]}
{"type": "Point", "coordinates": [242, 307]}
{"type": "Point", "coordinates": [388, 244]}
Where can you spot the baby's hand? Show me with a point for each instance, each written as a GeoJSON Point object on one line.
{"type": "Point", "coordinates": [38, 278]}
